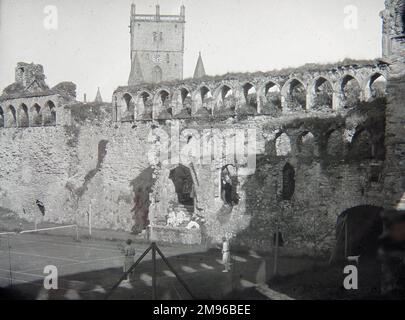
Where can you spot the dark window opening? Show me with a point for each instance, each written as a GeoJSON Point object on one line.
{"type": "Point", "coordinates": [229, 184]}
{"type": "Point", "coordinates": [183, 184]}
{"type": "Point", "coordinates": [288, 182]}
{"type": "Point", "coordinates": [375, 173]}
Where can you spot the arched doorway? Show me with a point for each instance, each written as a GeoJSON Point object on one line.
{"type": "Point", "coordinates": [357, 232]}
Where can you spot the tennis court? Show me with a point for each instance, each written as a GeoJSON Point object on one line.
{"type": "Point", "coordinates": [88, 269]}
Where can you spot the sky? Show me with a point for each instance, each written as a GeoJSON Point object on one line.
{"type": "Point", "coordinates": [91, 43]}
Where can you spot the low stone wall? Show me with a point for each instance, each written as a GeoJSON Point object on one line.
{"type": "Point", "coordinates": [175, 235]}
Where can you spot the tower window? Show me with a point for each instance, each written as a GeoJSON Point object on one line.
{"type": "Point", "coordinates": [167, 58]}
{"type": "Point", "coordinates": [161, 36]}
{"type": "Point", "coordinates": [155, 36]}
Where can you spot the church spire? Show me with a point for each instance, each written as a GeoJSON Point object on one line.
{"type": "Point", "coordinates": [98, 98]}
{"type": "Point", "coordinates": [199, 71]}
{"type": "Point", "coordinates": [136, 76]}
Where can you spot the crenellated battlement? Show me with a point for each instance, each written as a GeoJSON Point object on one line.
{"type": "Point", "coordinates": [322, 89]}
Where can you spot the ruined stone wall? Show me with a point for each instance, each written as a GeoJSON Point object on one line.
{"type": "Point", "coordinates": [106, 165]}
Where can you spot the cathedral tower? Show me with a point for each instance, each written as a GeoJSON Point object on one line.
{"type": "Point", "coordinates": [157, 47]}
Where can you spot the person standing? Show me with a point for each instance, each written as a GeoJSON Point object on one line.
{"type": "Point", "coordinates": [226, 255]}
{"type": "Point", "coordinates": [129, 257]}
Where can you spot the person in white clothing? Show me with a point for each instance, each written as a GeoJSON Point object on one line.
{"type": "Point", "coordinates": [226, 255]}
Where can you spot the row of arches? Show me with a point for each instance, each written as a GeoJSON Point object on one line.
{"type": "Point", "coordinates": [362, 146]}
{"type": "Point", "coordinates": [24, 116]}
{"type": "Point", "coordinates": [321, 94]}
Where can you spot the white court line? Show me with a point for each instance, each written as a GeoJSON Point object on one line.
{"type": "Point", "coordinates": [19, 272]}
{"type": "Point", "coordinates": [40, 256]}
{"type": "Point", "coordinates": [70, 245]}
{"type": "Point", "coordinates": [81, 262]}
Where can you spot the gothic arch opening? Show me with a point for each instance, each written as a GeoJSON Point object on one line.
{"type": "Point", "coordinates": [288, 182]}
{"type": "Point", "coordinates": [11, 117]}
{"type": "Point", "coordinates": [229, 185]}
{"type": "Point", "coordinates": [357, 232]}
{"type": "Point", "coordinates": [323, 94]}
{"type": "Point", "coordinates": [23, 120]}
{"type": "Point", "coordinates": [129, 108]}
{"type": "Point", "coordinates": [147, 105]}
{"type": "Point", "coordinates": [226, 99]}
{"type": "Point", "coordinates": [272, 101]}
{"type": "Point", "coordinates": [377, 86]}
{"type": "Point", "coordinates": [49, 114]}
{"type": "Point", "coordinates": [157, 74]}
{"type": "Point", "coordinates": [163, 105]}
{"type": "Point", "coordinates": [351, 91]}
{"type": "Point", "coordinates": [206, 100]}
{"type": "Point", "coordinates": [283, 145]}
{"type": "Point", "coordinates": [36, 115]}
{"type": "Point", "coordinates": [249, 92]}
{"type": "Point", "coordinates": [296, 95]}
{"type": "Point", "coordinates": [186, 100]}
{"type": "Point", "coordinates": [306, 144]}
{"type": "Point", "coordinates": [184, 185]}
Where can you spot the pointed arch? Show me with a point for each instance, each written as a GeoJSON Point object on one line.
{"type": "Point", "coordinates": [162, 105]}
{"type": "Point", "coordinates": [49, 114]}
{"type": "Point", "coordinates": [295, 94]}
{"type": "Point", "coordinates": [271, 98]}
{"type": "Point", "coordinates": [306, 144]}
{"type": "Point", "coordinates": [225, 100]}
{"type": "Point", "coordinates": [351, 91]}
{"type": "Point", "coordinates": [283, 145]}
{"type": "Point", "coordinates": [184, 102]}
{"type": "Point", "coordinates": [323, 94]}
{"type": "Point", "coordinates": [128, 107]}
{"type": "Point", "coordinates": [144, 105]}
{"type": "Point", "coordinates": [36, 115]}
{"type": "Point", "coordinates": [376, 86]}
{"type": "Point", "coordinates": [204, 100]}
{"type": "Point", "coordinates": [250, 95]}
{"type": "Point", "coordinates": [23, 119]}
{"type": "Point", "coordinates": [11, 117]}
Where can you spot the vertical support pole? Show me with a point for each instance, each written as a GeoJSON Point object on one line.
{"type": "Point", "coordinates": [154, 271]}
{"type": "Point", "coordinates": [77, 232]}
